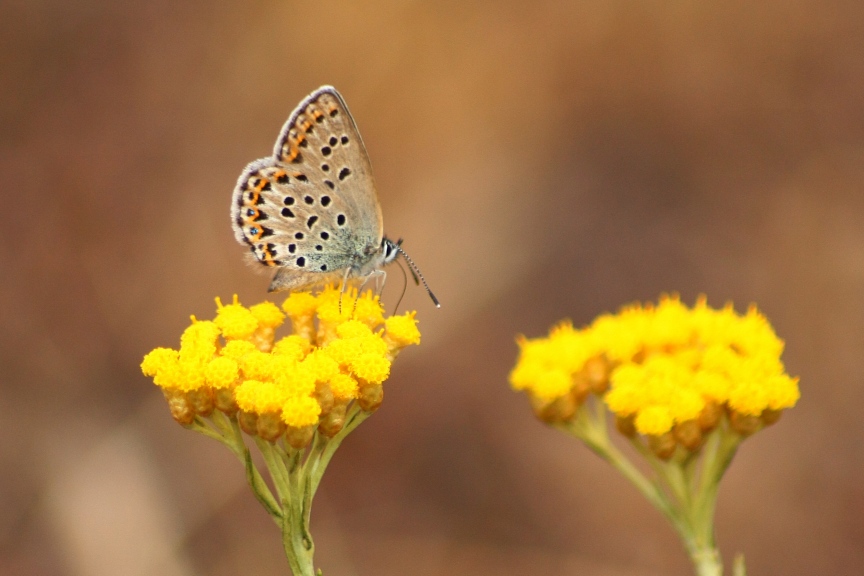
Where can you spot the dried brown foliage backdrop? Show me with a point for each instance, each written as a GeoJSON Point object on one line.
{"type": "Point", "coordinates": [542, 160]}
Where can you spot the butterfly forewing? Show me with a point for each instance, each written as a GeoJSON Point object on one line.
{"type": "Point", "coordinates": [310, 209]}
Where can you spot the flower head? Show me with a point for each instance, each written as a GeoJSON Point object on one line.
{"type": "Point", "coordinates": [291, 382]}
{"type": "Point", "coordinates": [663, 367]}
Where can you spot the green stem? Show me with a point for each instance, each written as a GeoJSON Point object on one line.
{"type": "Point", "coordinates": [295, 478]}
{"type": "Point", "coordinates": [683, 489]}
{"type": "Point", "coordinates": [353, 419]}
{"type": "Point", "coordinates": [226, 430]}
{"type": "Point", "coordinates": [298, 545]}
{"type": "Point", "coordinates": [304, 479]}
{"type": "Point", "coordinates": [592, 430]}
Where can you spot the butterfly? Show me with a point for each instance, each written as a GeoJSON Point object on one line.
{"type": "Point", "coordinates": [310, 210]}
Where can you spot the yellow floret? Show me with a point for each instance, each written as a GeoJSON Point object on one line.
{"type": "Point", "coordinates": [654, 420]}
{"type": "Point", "coordinates": [235, 321]}
{"type": "Point", "coordinates": [343, 386]}
{"type": "Point", "coordinates": [267, 314]}
{"type": "Point", "coordinates": [321, 365]}
{"type": "Point", "coordinates": [188, 376]}
{"type": "Point", "coordinates": [620, 336]}
{"type": "Point", "coordinates": [551, 383]}
{"type": "Point", "coordinates": [669, 324]}
{"type": "Point", "coordinates": [371, 368]}
{"type": "Point", "coordinates": [260, 397]}
{"type": "Point", "coordinates": [296, 379]}
{"type": "Point", "coordinates": [546, 366]}
{"type": "Point", "coordinates": [368, 310]}
{"type": "Point", "coordinates": [300, 304]}
{"type": "Point", "coordinates": [353, 329]}
{"type": "Point", "coordinates": [292, 346]}
{"type": "Point", "coordinates": [221, 372]}
{"type": "Point", "coordinates": [400, 331]}
{"type": "Point", "coordinates": [199, 342]}
{"type": "Point", "coordinates": [334, 306]}
{"type": "Point", "coordinates": [237, 349]}
{"type": "Point", "coordinates": [301, 411]}
{"type": "Point", "coordinates": [342, 351]}
{"type": "Point", "coordinates": [259, 365]}
{"type": "Point", "coordinates": [158, 360]}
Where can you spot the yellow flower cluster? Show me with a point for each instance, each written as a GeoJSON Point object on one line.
{"type": "Point", "coordinates": [338, 353]}
{"type": "Point", "coordinates": [662, 369]}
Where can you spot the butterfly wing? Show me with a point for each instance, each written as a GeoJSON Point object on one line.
{"type": "Point", "coordinates": [311, 209]}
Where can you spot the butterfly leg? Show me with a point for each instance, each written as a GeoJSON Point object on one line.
{"type": "Point", "coordinates": [345, 285]}
{"type": "Point", "coordinates": [380, 279]}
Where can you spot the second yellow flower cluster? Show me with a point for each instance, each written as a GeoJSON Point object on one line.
{"type": "Point", "coordinates": [664, 369]}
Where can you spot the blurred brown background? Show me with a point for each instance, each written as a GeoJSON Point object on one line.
{"type": "Point", "coordinates": [542, 160]}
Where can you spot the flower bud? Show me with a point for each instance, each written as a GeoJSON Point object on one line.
{"type": "Point", "coordinates": [626, 425]}
{"type": "Point", "coordinates": [333, 421]}
{"type": "Point", "coordinates": [299, 438]}
{"type": "Point", "coordinates": [371, 396]}
{"type": "Point", "coordinates": [744, 424]}
{"type": "Point", "coordinates": [710, 415]}
{"type": "Point", "coordinates": [770, 416]}
{"type": "Point", "coordinates": [560, 409]}
{"type": "Point", "coordinates": [179, 406]}
{"type": "Point", "coordinates": [663, 446]}
{"type": "Point", "coordinates": [224, 400]}
{"type": "Point", "coordinates": [248, 422]}
{"type": "Point", "coordinates": [201, 401]}
{"type": "Point", "coordinates": [597, 371]}
{"type": "Point", "coordinates": [270, 426]}
{"type": "Point", "coordinates": [689, 434]}
{"type": "Point", "coordinates": [324, 396]}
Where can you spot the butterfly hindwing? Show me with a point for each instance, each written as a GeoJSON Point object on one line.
{"type": "Point", "coordinates": [311, 209]}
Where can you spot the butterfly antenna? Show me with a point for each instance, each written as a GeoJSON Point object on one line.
{"type": "Point", "coordinates": [413, 274]}
{"type": "Point", "coordinates": [416, 271]}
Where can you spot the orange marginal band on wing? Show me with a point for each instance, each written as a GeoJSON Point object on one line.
{"type": "Point", "coordinates": [267, 256]}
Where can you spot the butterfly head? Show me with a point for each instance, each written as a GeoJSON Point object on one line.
{"type": "Point", "coordinates": [390, 250]}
